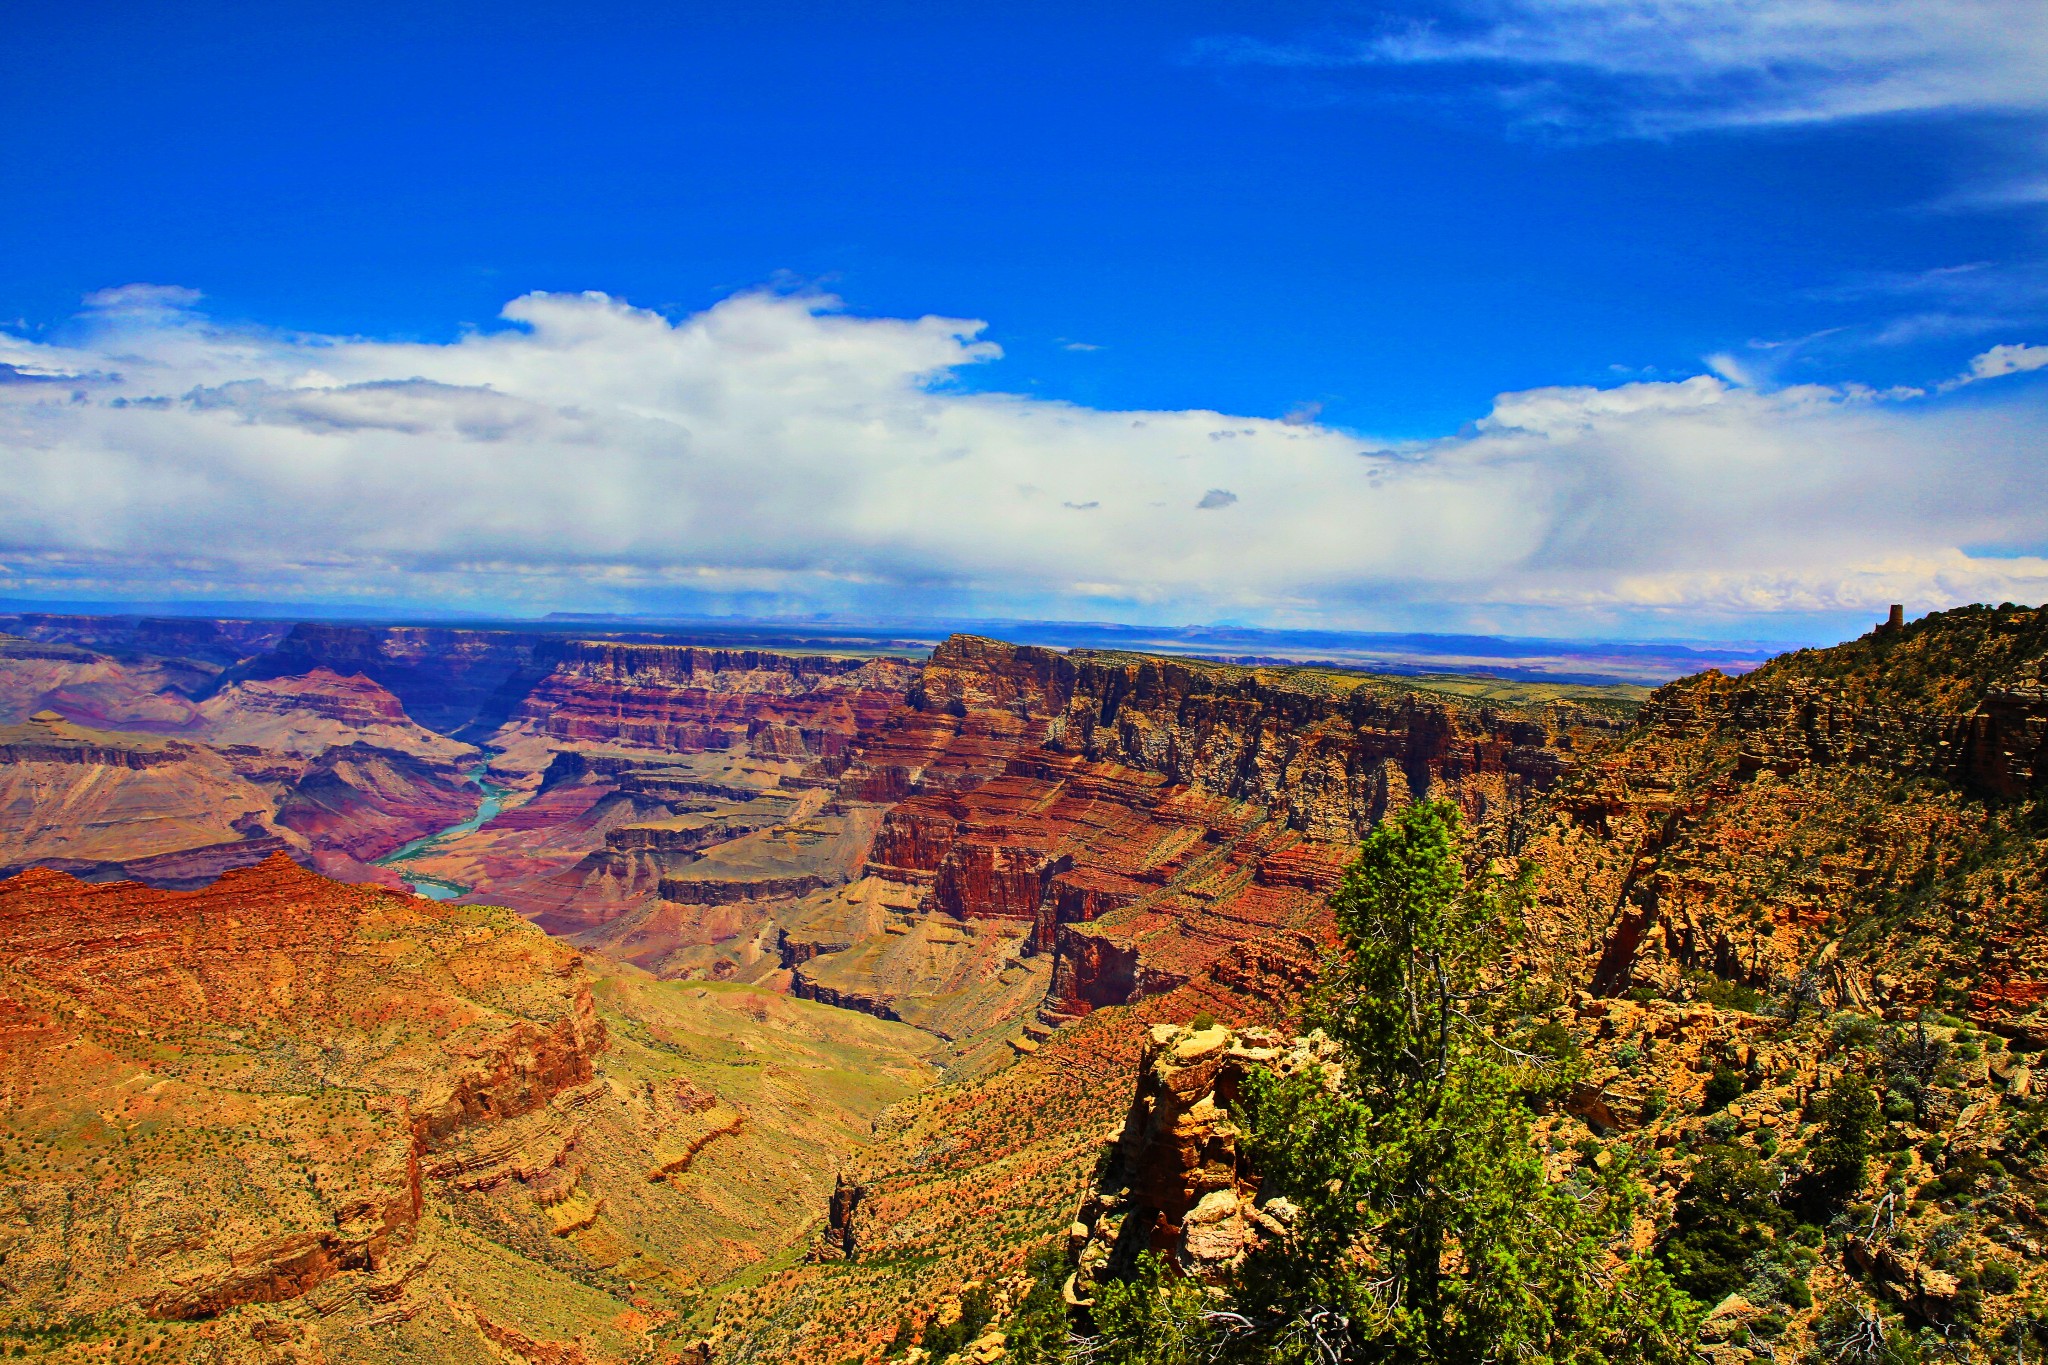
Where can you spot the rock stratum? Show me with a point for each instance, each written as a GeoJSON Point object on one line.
{"type": "Point", "coordinates": [806, 887]}
{"type": "Point", "coordinates": [285, 1118]}
{"type": "Point", "coordinates": [225, 1096]}
{"type": "Point", "coordinates": [1831, 866]}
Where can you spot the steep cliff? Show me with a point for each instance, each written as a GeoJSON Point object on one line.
{"type": "Point", "coordinates": [211, 640]}
{"type": "Point", "coordinates": [445, 677]}
{"type": "Point", "coordinates": [303, 716]}
{"type": "Point", "coordinates": [1860, 819]}
{"type": "Point", "coordinates": [105, 804]}
{"type": "Point", "coordinates": [1135, 817]}
{"type": "Point", "coordinates": [1326, 752]}
{"type": "Point", "coordinates": [682, 699]}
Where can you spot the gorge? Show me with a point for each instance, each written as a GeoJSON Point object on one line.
{"type": "Point", "coordinates": [818, 978]}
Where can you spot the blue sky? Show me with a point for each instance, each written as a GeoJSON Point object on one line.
{"type": "Point", "coordinates": [1371, 220]}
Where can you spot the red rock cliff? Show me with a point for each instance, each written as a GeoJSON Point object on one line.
{"type": "Point", "coordinates": [282, 1049]}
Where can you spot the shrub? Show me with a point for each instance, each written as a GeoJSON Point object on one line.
{"type": "Point", "coordinates": [977, 1308]}
{"type": "Point", "coordinates": [1849, 1029]}
{"type": "Point", "coordinates": [1726, 1213]}
{"type": "Point", "coordinates": [1724, 1087]}
{"type": "Point", "coordinates": [1037, 1330]}
{"type": "Point", "coordinates": [1728, 995]}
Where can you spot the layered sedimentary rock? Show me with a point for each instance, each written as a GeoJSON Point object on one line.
{"type": "Point", "coordinates": [446, 678]}
{"type": "Point", "coordinates": [279, 1053]}
{"type": "Point", "coordinates": [1327, 752]}
{"type": "Point", "coordinates": [1135, 817]}
{"type": "Point", "coordinates": [284, 1118]}
{"type": "Point", "coordinates": [682, 699]}
{"type": "Point", "coordinates": [363, 801]}
{"type": "Point", "coordinates": [95, 689]}
{"type": "Point", "coordinates": [677, 795]}
{"type": "Point", "coordinates": [306, 714]}
{"type": "Point", "coordinates": [106, 804]}
{"type": "Point", "coordinates": [211, 640]}
{"type": "Point", "coordinates": [1814, 822]}
{"type": "Point", "coordinates": [326, 768]}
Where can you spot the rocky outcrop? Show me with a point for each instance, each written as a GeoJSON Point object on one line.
{"type": "Point", "coordinates": [47, 738]}
{"type": "Point", "coordinates": [804, 987]}
{"type": "Point", "coordinates": [285, 1050]}
{"type": "Point", "coordinates": [1173, 1181]}
{"type": "Point", "coordinates": [727, 890]}
{"type": "Point", "coordinates": [839, 1216]}
{"type": "Point", "coordinates": [2001, 747]}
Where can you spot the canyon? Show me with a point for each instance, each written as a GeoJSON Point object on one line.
{"type": "Point", "coordinates": [817, 979]}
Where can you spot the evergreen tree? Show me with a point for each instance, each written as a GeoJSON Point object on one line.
{"type": "Point", "coordinates": [1428, 1228]}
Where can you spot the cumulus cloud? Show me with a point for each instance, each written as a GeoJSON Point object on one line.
{"type": "Point", "coordinates": [2004, 360]}
{"type": "Point", "coordinates": [775, 452]}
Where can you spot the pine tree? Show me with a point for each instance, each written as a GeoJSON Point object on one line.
{"type": "Point", "coordinates": [1428, 1228]}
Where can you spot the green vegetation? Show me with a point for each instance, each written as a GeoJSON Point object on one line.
{"type": "Point", "coordinates": [1724, 1087]}
{"type": "Point", "coordinates": [1849, 1116]}
{"type": "Point", "coordinates": [1727, 1214]}
{"type": "Point", "coordinates": [1423, 1224]}
{"type": "Point", "coordinates": [977, 1309]}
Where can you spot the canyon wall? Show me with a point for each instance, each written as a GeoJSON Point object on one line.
{"type": "Point", "coordinates": [445, 677]}
{"type": "Point", "coordinates": [682, 699]}
{"type": "Point", "coordinates": [284, 1053]}
{"type": "Point", "coordinates": [1326, 751]}
{"type": "Point", "coordinates": [217, 641]}
{"type": "Point", "coordinates": [1137, 816]}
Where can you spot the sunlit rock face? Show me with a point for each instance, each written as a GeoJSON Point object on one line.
{"type": "Point", "coordinates": [279, 1052]}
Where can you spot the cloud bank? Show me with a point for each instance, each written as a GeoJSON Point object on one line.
{"type": "Point", "coordinates": [774, 453]}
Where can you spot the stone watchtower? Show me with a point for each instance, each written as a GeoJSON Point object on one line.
{"type": "Point", "coordinates": [1894, 623]}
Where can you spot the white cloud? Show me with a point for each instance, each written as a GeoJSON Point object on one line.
{"type": "Point", "coordinates": [2013, 358]}
{"type": "Point", "coordinates": [142, 298]}
{"type": "Point", "coordinates": [775, 452]}
{"type": "Point", "coordinates": [1660, 66]}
